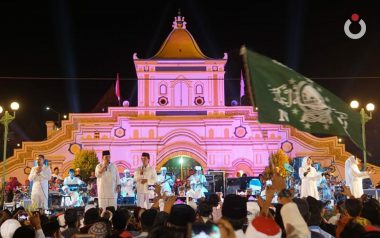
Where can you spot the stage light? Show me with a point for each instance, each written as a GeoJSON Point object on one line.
{"type": "Point", "coordinates": [354, 104]}
{"type": "Point", "coordinates": [370, 107]}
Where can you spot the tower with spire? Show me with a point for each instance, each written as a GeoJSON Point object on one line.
{"type": "Point", "coordinates": [179, 74]}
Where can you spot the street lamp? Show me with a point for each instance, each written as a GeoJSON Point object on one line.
{"type": "Point", "coordinates": [364, 118]}
{"type": "Point", "coordinates": [5, 120]}
{"type": "Point", "coordinates": [181, 163]}
{"type": "Point", "coordinates": [58, 113]}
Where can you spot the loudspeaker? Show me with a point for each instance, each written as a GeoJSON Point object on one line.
{"type": "Point", "coordinates": [219, 180]}
{"type": "Point", "coordinates": [232, 184]}
{"type": "Point", "coordinates": [210, 183]}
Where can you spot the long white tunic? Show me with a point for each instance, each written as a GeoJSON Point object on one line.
{"type": "Point", "coordinates": [357, 180]}
{"type": "Point", "coordinates": [143, 193]}
{"type": "Point", "coordinates": [40, 189]}
{"type": "Point", "coordinates": [199, 180]}
{"type": "Point", "coordinates": [71, 200]}
{"type": "Point", "coordinates": [309, 182]}
{"type": "Point", "coordinates": [166, 183]}
{"type": "Point", "coordinates": [107, 183]}
{"type": "Point", "coordinates": [70, 181]}
{"type": "Point", "coordinates": [127, 187]}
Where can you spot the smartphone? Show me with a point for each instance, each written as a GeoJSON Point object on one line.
{"type": "Point", "coordinates": [203, 230]}
{"type": "Point", "coordinates": [22, 217]}
{"type": "Point", "coordinates": [183, 199]}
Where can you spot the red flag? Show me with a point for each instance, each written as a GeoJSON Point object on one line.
{"type": "Point", "coordinates": [117, 87]}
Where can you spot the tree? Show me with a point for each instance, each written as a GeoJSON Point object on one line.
{"type": "Point", "coordinates": [86, 160]}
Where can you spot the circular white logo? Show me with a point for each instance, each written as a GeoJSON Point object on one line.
{"type": "Point", "coordinates": [360, 34]}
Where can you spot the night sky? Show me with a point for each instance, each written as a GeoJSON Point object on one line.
{"type": "Point", "coordinates": [47, 47]}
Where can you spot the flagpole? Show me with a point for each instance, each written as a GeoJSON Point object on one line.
{"type": "Point", "coordinates": [243, 53]}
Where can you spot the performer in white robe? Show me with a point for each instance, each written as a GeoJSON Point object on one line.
{"type": "Point", "coordinates": [165, 181]}
{"type": "Point", "coordinates": [127, 183]}
{"type": "Point", "coordinates": [354, 177]}
{"type": "Point", "coordinates": [71, 179]}
{"type": "Point", "coordinates": [40, 176]}
{"type": "Point", "coordinates": [144, 176]}
{"type": "Point", "coordinates": [108, 182]}
{"type": "Point", "coordinates": [309, 178]}
{"type": "Point", "coordinates": [199, 180]}
{"type": "Point", "coordinates": [70, 198]}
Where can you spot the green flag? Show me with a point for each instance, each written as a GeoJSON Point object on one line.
{"type": "Point", "coordinates": [284, 96]}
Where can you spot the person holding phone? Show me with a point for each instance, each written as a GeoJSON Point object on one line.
{"type": "Point", "coordinates": [144, 176]}
{"type": "Point", "coordinates": [309, 178]}
{"type": "Point", "coordinates": [108, 181]}
{"type": "Point", "coordinates": [40, 176]}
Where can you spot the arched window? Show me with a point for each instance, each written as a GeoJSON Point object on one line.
{"type": "Point", "coordinates": [199, 89]}
{"type": "Point", "coordinates": [163, 89]}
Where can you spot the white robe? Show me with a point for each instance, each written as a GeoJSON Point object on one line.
{"type": "Point", "coordinates": [309, 182]}
{"type": "Point", "coordinates": [166, 186]}
{"type": "Point", "coordinates": [40, 189]}
{"type": "Point", "coordinates": [70, 181]}
{"type": "Point", "coordinates": [71, 200]}
{"type": "Point", "coordinates": [357, 180]}
{"type": "Point", "coordinates": [127, 187]}
{"type": "Point", "coordinates": [143, 194]}
{"type": "Point", "coordinates": [107, 183]}
{"type": "Point", "coordinates": [199, 181]}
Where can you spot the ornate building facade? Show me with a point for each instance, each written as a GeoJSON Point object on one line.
{"type": "Point", "coordinates": [181, 112]}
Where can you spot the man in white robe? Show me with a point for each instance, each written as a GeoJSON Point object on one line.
{"type": "Point", "coordinates": [165, 181]}
{"type": "Point", "coordinates": [144, 176]}
{"type": "Point", "coordinates": [108, 182]}
{"type": "Point", "coordinates": [40, 176]}
{"type": "Point", "coordinates": [309, 178]}
{"type": "Point", "coordinates": [354, 177]}
{"type": "Point", "coordinates": [199, 180]}
{"type": "Point", "coordinates": [70, 198]}
{"type": "Point", "coordinates": [71, 179]}
{"type": "Point", "coordinates": [127, 185]}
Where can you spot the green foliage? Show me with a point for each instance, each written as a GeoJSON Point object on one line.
{"type": "Point", "coordinates": [86, 160]}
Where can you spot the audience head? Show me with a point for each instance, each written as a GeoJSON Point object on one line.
{"type": "Point", "coordinates": [91, 216]}
{"type": "Point", "coordinates": [180, 215]}
{"type": "Point", "coordinates": [71, 217]}
{"type": "Point", "coordinates": [161, 219]}
{"type": "Point", "coordinates": [303, 207]}
{"type": "Point", "coordinates": [234, 210]}
{"type": "Point", "coordinates": [120, 220]}
{"type": "Point", "coordinates": [99, 230]}
{"type": "Point", "coordinates": [9, 227]}
{"type": "Point", "coordinates": [204, 209]}
{"type": "Point", "coordinates": [24, 232]}
{"type": "Point", "coordinates": [147, 219]}
{"type": "Point", "coordinates": [214, 199]}
{"type": "Point", "coordinates": [371, 211]}
{"type": "Point", "coordinates": [51, 227]}
{"type": "Point", "coordinates": [353, 207]}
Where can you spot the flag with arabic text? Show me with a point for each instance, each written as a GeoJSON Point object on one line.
{"type": "Point", "coordinates": [284, 96]}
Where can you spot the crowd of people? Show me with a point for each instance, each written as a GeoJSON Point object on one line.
{"type": "Point", "coordinates": [189, 213]}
